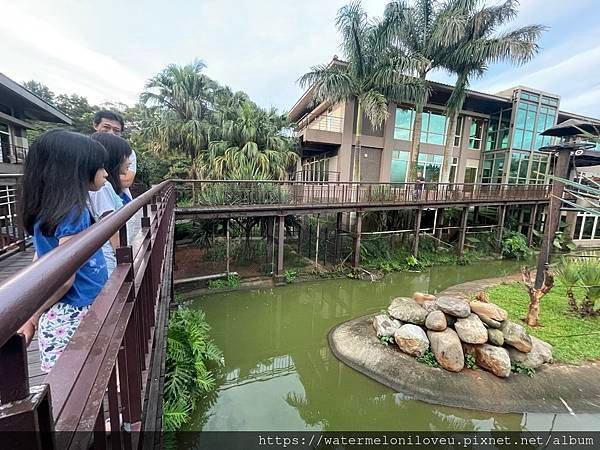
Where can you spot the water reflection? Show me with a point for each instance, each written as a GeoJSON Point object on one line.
{"type": "Point", "coordinates": [280, 374]}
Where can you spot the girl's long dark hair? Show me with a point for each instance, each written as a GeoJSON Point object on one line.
{"type": "Point", "coordinates": [117, 149]}
{"type": "Point", "coordinates": [57, 174]}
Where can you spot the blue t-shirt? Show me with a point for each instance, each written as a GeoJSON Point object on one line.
{"type": "Point", "coordinates": [90, 278]}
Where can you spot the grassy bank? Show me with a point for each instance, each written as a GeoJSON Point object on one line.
{"type": "Point", "coordinates": [574, 339]}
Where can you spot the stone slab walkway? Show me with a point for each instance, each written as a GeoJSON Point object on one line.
{"type": "Point", "coordinates": [553, 389]}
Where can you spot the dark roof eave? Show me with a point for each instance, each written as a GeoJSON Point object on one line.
{"type": "Point", "coordinates": [33, 99]}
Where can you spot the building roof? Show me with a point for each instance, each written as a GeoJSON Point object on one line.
{"type": "Point", "coordinates": [26, 105]}
{"type": "Point", "coordinates": [475, 101]}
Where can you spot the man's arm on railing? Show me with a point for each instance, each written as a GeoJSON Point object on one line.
{"type": "Point", "coordinates": [29, 327]}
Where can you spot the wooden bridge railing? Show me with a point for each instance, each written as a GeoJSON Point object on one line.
{"type": "Point", "coordinates": [114, 363]}
{"type": "Point", "coordinates": [232, 193]}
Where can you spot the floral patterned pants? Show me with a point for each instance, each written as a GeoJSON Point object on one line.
{"type": "Point", "coordinates": [55, 329]}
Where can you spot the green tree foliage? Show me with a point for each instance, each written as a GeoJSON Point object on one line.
{"type": "Point", "coordinates": [478, 46]}
{"type": "Point", "coordinates": [514, 245]}
{"type": "Point", "coordinates": [224, 134]}
{"type": "Point", "coordinates": [191, 360]}
{"type": "Point", "coordinates": [581, 273]}
{"type": "Point", "coordinates": [372, 74]}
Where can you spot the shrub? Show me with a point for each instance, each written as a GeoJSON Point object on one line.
{"type": "Point", "coordinates": [470, 361]}
{"type": "Point", "coordinates": [518, 367]}
{"type": "Point", "coordinates": [191, 360]}
{"type": "Point", "coordinates": [429, 359]}
{"type": "Point", "coordinates": [387, 340]}
{"type": "Point", "coordinates": [514, 245]}
{"type": "Point", "coordinates": [231, 282]}
{"type": "Point", "coordinates": [290, 276]}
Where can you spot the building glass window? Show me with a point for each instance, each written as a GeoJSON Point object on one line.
{"type": "Point", "coordinates": [404, 123]}
{"type": "Point", "coordinates": [545, 120]}
{"type": "Point", "coordinates": [430, 166]}
{"type": "Point", "coordinates": [492, 135]}
{"type": "Point", "coordinates": [453, 170]}
{"type": "Point", "coordinates": [399, 168]}
{"type": "Point", "coordinates": [458, 133]}
{"type": "Point", "coordinates": [493, 168]}
{"type": "Point", "coordinates": [587, 227]}
{"type": "Point", "coordinates": [315, 169]}
{"type": "Point", "coordinates": [539, 168]}
{"type": "Point", "coordinates": [476, 133]}
{"type": "Point", "coordinates": [471, 171]}
{"type": "Point", "coordinates": [433, 130]}
{"type": "Point", "coordinates": [519, 163]}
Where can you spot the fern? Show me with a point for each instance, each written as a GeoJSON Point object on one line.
{"type": "Point", "coordinates": [188, 376]}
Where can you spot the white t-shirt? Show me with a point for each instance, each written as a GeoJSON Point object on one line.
{"type": "Point", "coordinates": [103, 201]}
{"type": "Point", "coordinates": [132, 168]}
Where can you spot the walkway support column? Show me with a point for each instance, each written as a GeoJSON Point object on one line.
{"type": "Point", "coordinates": [227, 255]}
{"type": "Point", "coordinates": [532, 222]}
{"type": "Point", "coordinates": [356, 254]}
{"type": "Point", "coordinates": [280, 240]}
{"type": "Point", "coordinates": [463, 231]}
{"type": "Point", "coordinates": [417, 231]}
{"type": "Point", "coordinates": [439, 222]}
{"type": "Point", "coordinates": [501, 216]}
{"type": "Point", "coordinates": [561, 170]}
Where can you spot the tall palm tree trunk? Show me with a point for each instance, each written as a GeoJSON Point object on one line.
{"type": "Point", "coordinates": [357, 146]}
{"type": "Point", "coordinates": [449, 145]}
{"type": "Point", "coordinates": [415, 147]}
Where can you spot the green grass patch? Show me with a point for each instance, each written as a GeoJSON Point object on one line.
{"type": "Point", "coordinates": [574, 339]}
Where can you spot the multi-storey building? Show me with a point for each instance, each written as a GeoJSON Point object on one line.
{"type": "Point", "coordinates": [497, 139]}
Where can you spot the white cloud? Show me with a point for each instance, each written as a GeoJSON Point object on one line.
{"type": "Point", "coordinates": [48, 54]}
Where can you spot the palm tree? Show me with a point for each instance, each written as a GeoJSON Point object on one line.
{"type": "Point", "coordinates": [250, 146]}
{"type": "Point", "coordinates": [568, 274]}
{"type": "Point", "coordinates": [180, 100]}
{"type": "Point", "coordinates": [372, 74]}
{"type": "Point", "coordinates": [478, 47]}
{"type": "Point", "coordinates": [427, 31]}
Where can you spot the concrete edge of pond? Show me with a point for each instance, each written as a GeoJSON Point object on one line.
{"type": "Point", "coordinates": [553, 389]}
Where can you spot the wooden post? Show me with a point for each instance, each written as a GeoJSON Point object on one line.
{"type": "Point", "coordinates": [501, 216]}
{"type": "Point", "coordinates": [356, 254]}
{"type": "Point", "coordinates": [439, 221]}
{"type": "Point", "coordinates": [280, 240]}
{"type": "Point", "coordinates": [553, 216]}
{"type": "Point", "coordinates": [317, 240]}
{"type": "Point", "coordinates": [475, 215]}
{"type": "Point", "coordinates": [463, 231]}
{"type": "Point", "coordinates": [532, 223]}
{"type": "Point", "coordinates": [417, 231]}
{"type": "Point", "coordinates": [227, 255]}
{"type": "Point", "coordinates": [270, 243]}
{"type": "Point", "coordinates": [338, 226]}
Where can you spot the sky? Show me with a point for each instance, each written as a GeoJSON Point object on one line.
{"type": "Point", "coordinates": [106, 50]}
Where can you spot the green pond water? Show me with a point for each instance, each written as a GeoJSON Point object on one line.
{"type": "Point", "coordinates": [280, 375]}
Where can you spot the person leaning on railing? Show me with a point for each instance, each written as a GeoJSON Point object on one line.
{"type": "Point", "coordinates": [60, 169]}
{"type": "Point", "coordinates": [108, 198]}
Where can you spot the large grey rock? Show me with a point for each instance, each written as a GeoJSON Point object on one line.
{"type": "Point", "coordinates": [495, 337]}
{"type": "Point", "coordinates": [412, 339]}
{"type": "Point", "coordinates": [420, 297]}
{"type": "Point", "coordinates": [407, 310]}
{"type": "Point", "coordinates": [436, 321]}
{"type": "Point", "coordinates": [490, 322]}
{"type": "Point", "coordinates": [541, 353]}
{"type": "Point", "coordinates": [429, 306]}
{"type": "Point", "coordinates": [489, 310]}
{"type": "Point", "coordinates": [516, 336]}
{"type": "Point", "coordinates": [385, 325]}
{"type": "Point", "coordinates": [494, 359]}
{"type": "Point", "coordinates": [447, 349]}
{"type": "Point", "coordinates": [454, 306]}
{"type": "Point", "coordinates": [471, 330]}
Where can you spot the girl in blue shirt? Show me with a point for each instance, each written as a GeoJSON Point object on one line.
{"type": "Point", "coordinates": [60, 169]}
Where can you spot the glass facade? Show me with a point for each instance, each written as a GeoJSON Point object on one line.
{"type": "Point", "coordinates": [315, 169]}
{"type": "Point", "coordinates": [493, 168]}
{"type": "Point", "coordinates": [433, 128]}
{"type": "Point", "coordinates": [404, 124]}
{"type": "Point", "coordinates": [535, 114]}
{"type": "Point", "coordinates": [499, 130]}
{"type": "Point", "coordinates": [587, 227]}
{"type": "Point", "coordinates": [399, 168]}
{"type": "Point", "coordinates": [476, 133]}
{"type": "Point", "coordinates": [519, 164]}
{"type": "Point", "coordinates": [430, 166]}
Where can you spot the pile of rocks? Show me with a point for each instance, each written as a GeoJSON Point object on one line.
{"type": "Point", "coordinates": [452, 326]}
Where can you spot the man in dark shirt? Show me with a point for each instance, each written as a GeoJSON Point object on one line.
{"type": "Point", "coordinates": [419, 183]}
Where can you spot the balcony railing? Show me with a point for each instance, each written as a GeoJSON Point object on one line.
{"type": "Point", "coordinates": [13, 154]}
{"type": "Point", "coordinates": [12, 235]}
{"type": "Point", "coordinates": [322, 122]}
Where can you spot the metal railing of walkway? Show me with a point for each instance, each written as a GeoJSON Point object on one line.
{"type": "Point", "coordinates": [114, 364]}
{"type": "Point", "coordinates": [213, 198]}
